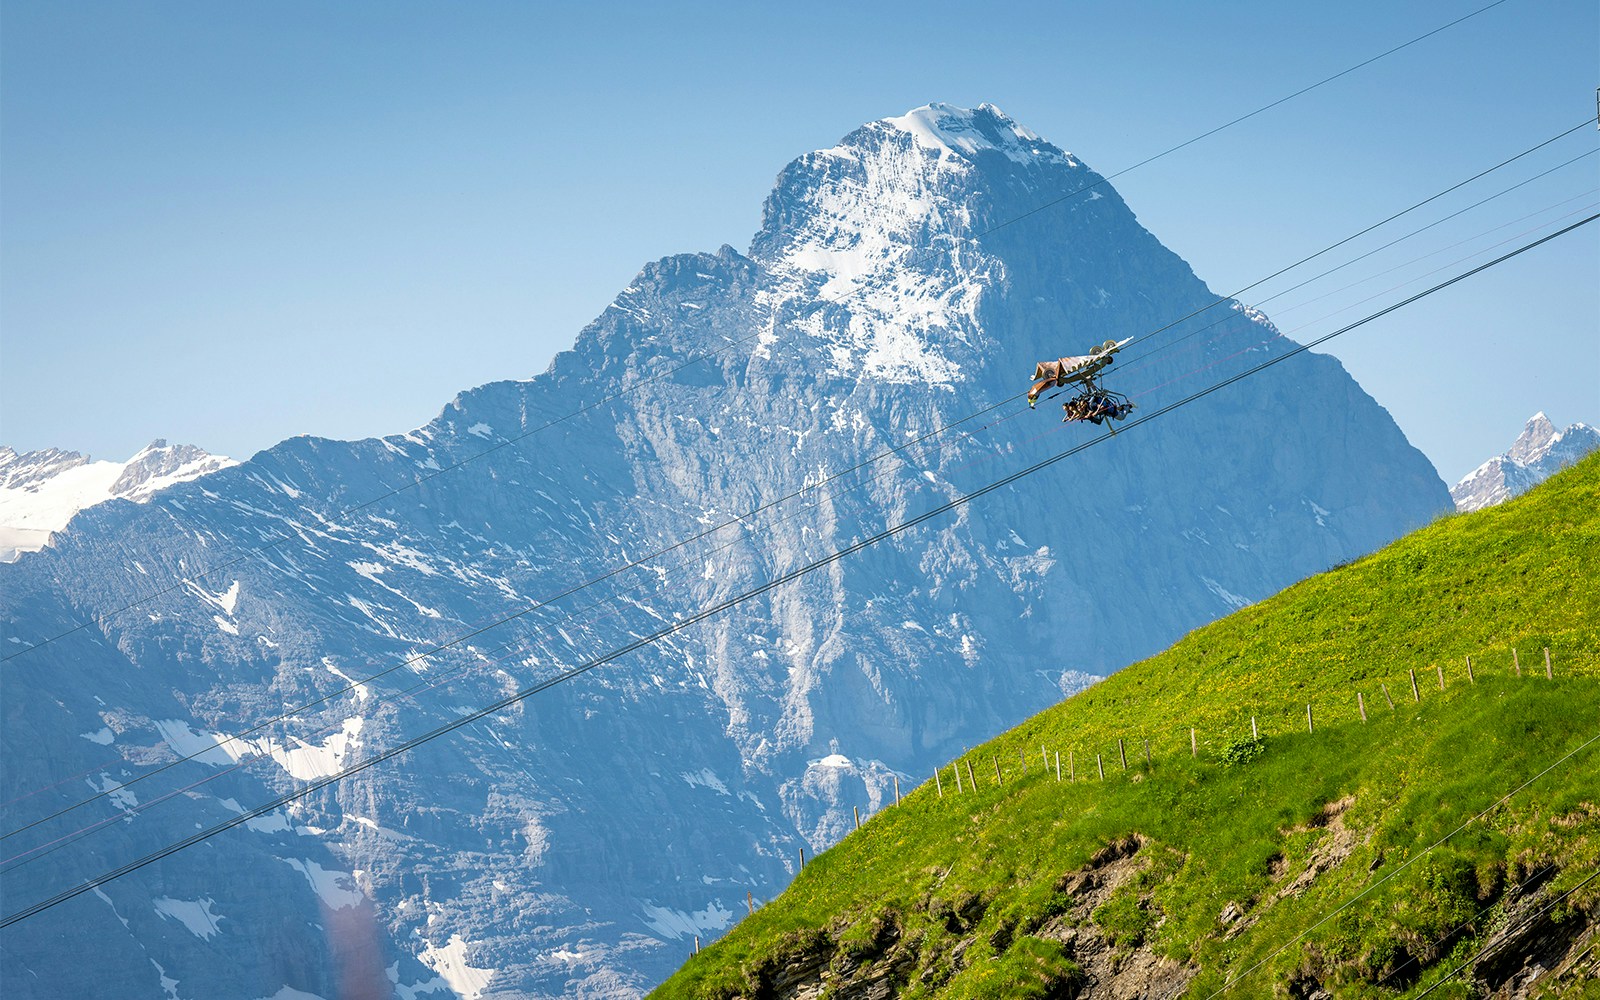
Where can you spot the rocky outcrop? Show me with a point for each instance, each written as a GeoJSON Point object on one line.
{"type": "Point", "coordinates": [881, 960]}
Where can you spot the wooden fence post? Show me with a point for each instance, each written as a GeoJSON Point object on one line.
{"type": "Point", "coordinates": [897, 789]}
{"type": "Point", "coordinates": [1516, 664]}
{"type": "Point", "coordinates": [937, 783]}
{"type": "Point", "coordinates": [1386, 695]}
{"type": "Point", "coordinates": [1470, 677]}
{"type": "Point", "coordinates": [1255, 737]}
{"type": "Point", "coordinates": [1361, 703]}
{"type": "Point", "coordinates": [750, 902]}
{"type": "Point", "coordinates": [956, 767]}
{"type": "Point", "coordinates": [1441, 675]}
{"type": "Point", "coordinates": [1024, 760]}
{"type": "Point", "coordinates": [971, 781]}
{"type": "Point", "coordinates": [858, 816]}
{"type": "Point", "coordinates": [1414, 695]}
{"type": "Point", "coordinates": [1044, 755]}
{"type": "Point", "coordinates": [1058, 765]}
{"type": "Point", "coordinates": [1547, 674]}
{"type": "Point", "coordinates": [802, 857]}
{"type": "Point", "coordinates": [1310, 727]}
{"type": "Point", "coordinates": [1194, 748]}
{"type": "Point", "coordinates": [996, 769]}
{"type": "Point", "coordinates": [1123, 753]}
{"type": "Point", "coordinates": [1147, 751]}
{"type": "Point", "coordinates": [697, 944]}
{"type": "Point", "coordinates": [1101, 765]}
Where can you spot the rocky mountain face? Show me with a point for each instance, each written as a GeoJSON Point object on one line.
{"type": "Point", "coordinates": [40, 491]}
{"type": "Point", "coordinates": [575, 843]}
{"type": "Point", "coordinates": [1539, 452]}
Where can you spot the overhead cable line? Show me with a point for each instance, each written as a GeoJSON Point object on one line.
{"type": "Point", "coordinates": [1354, 260]}
{"type": "Point", "coordinates": [537, 605]}
{"type": "Point", "coordinates": [1288, 332]}
{"type": "Point", "coordinates": [1413, 957]}
{"type": "Point", "coordinates": [1241, 118]}
{"type": "Point", "coordinates": [1526, 922]}
{"type": "Point", "coordinates": [1354, 236]}
{"type": "Point", "coordinates": [781, 580]}
{"type": "Point", "coordinates": [897, 266]}
{"type": "Point", "coordinates": [834, 477]}
{"type": "Point", "coordinates": [1497, 803]}
{"type": "Point", "coordinates": [741, 518]}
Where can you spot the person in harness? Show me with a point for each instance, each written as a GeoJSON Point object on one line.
{"type": "Point", "coordinates": [1096, 406]}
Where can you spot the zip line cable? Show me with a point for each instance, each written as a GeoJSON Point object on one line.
{"type": "Point", "coordinates": [1133, 362]}
{"type": "Point", "coordinates": [537, 605]}
{"type": "Point", "coordinates": [1286, 332]}
{"type": "Point", "coordinates": [1526, 922]}
{"type": "Point", "coordinates": [741, 518]}
{"type": "Point", "coordinates": [1241, 118]}
{"type": "Point", "coordinates": [774, 583]}
{"type": "Point", "coordinates": [427, 684]}
{"type": "Point", "coordinates": [1354, 236]}
{"type": "Point", "coordinates": [744, 517]}
{"type": "Point", "coordinates": [1521, 887]}
{"type": "Point", "coordinates": [1293, 331]}
{"type": "Point", "coordinates": [1403, 865]}
{"type": "Point", "coordinates": [914, 261]}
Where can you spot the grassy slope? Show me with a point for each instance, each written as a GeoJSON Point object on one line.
{"type": "Point", "coordinates": [1516, 575]}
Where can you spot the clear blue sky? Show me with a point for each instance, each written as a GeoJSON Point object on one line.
{"type": "Point", "coordinates": [225, 224]}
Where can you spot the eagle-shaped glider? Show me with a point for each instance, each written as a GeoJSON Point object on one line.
{"type": "Point", "coordinates": [1092, 403]}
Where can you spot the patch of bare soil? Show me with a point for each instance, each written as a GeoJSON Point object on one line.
{"type": "Point", "coordinates": [1111, 973]}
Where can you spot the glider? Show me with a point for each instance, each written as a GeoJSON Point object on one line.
{"type": "Point", "coordinates": [1092, 403]}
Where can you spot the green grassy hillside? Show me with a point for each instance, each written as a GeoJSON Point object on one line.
{"type": "Point", "coordinates": [1362, 859]}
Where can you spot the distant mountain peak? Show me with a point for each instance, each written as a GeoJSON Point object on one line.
{"type": "Point", "coordinates": [40, 491]}
{"type": "Point", "coordinates": [967, 132]}
{"type": "Point", "coordinates": [882, 228]}
{"type": "Point", "coordinates": [1539, 452]}
{"type": "Point", "coordinates": [1536, 439]}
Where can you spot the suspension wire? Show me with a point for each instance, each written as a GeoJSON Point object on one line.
{"type": "Point", "coordinates": [742, 518]}
{"type": "Point", "coordinates": [914, 261]}
{"type": "Point", "coordinates": [1354, 260]}
{"type": "Point", "coordinates": [1402, 866]}
{"type": "Point", "coordinates": [433, 681]}
{"type": "Point", "coordinates": [1526, 922]}
{"type": "Point", "coordinates": [1278, 332]}
{"type": "Point", "coordinates": [1353, 236]}
{"type": "Point", "coordinates": [496, 623]}
{"type": "Point", "coordinates": [1459, 243]}
{"type": "Point", "coordinates": [1241, 118]}
{"type": "Point", "coordinates": [1442, 267]}
{"type": "Point", "coordinates": [772, 584]}
{"type": "Point", "coordinates": [731, 521]}
{"type": "Point", "coordinates": [1289, 331]}
{"type": "Point", "coordinates": [1520, 887]}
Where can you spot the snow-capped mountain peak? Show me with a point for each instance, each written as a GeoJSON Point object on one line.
{"type": "Point", "coordinates": [880, 228]}
{"type": "Point", "coordinates": [1539, 452]}
{"type": "Point", "coordinates": [40, 491]}
{"type": "Point", "coordinates": [160, 465]}
{"type": "Point", "coordinates": [1538, 436]}
{"type": "Point", "coordinates": [952, 131]}
{"type": "Point", "coordinates": [705, 761]}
